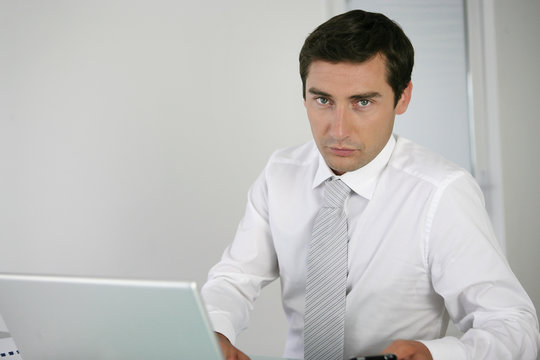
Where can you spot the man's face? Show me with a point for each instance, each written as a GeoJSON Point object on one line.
{"type": "Point", "coordinates": [351, 111]}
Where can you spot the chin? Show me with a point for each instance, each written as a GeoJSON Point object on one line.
{"type": "Point", "coordinates": [341, 165]}
{"type": "Point", "coordinates": [340, 170]}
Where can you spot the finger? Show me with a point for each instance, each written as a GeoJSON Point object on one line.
{"type": "Point", "coordinates": [230, 352]}
{"type": "Point", "coordinates": [236, 354]}
{"type": "Point", "coordinates": [242, 356]}
{"type": "Point", "coordinates": [409, 350]}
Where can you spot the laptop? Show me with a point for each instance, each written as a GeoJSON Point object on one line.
{"type": "Point", "coordinates": [66, 318]}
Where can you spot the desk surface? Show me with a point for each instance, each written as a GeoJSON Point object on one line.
{"type": "Point", "coordinates": [8, 350]}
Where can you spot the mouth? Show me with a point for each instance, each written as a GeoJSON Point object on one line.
{"type": "Point", "coordinates": [341, 151]}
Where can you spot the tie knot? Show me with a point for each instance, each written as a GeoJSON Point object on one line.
{"type": "Point", "coordinates": [335, 193]}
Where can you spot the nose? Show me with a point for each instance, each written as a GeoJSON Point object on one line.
{"type": "Point", "coordinates": [340, 126]}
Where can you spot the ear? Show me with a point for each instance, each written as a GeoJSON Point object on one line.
{"type": "Point", "coordinates": [404, 100]}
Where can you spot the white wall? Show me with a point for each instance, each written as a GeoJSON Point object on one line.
{"type": "Point", "coordinates": [130, 132]}
{"type": "Point", "coordinates": [518, 53]}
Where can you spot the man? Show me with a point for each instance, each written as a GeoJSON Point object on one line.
{"type": "Point", "coordinates": [419, 247]}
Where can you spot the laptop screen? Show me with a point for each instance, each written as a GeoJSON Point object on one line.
{"type": "Point", "coordinates": [52, 317]}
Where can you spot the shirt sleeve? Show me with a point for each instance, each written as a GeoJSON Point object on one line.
{"type": "Point", "coordinates": [247, 265]}
{"type": "Point", "coordinates": [469, 270]}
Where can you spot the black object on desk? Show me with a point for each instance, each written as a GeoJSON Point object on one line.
{"type": "Point", "coordinates": [377, 357]}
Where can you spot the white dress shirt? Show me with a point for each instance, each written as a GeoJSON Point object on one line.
{"type": "Point", "coordinates": [421, 248]}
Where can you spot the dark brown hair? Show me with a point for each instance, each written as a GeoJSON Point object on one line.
{"type": "Point", "coordinates": [357, 36]}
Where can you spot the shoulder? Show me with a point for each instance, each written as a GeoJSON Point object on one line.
{"type": "Point", "coordinates": [295, 156]}
{"type": "Point", "coordinates": [413, 160]}
{"type": "Point", "coordinates": [291, 165]}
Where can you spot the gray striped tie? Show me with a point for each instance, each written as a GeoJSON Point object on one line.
{"type": "Point", "coordinates": [326, 279]}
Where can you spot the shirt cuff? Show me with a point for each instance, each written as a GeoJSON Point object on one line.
{"type": "Point", "coordinates": [221, 324]}
{"type": "Point", "coordinates": [446, 348]}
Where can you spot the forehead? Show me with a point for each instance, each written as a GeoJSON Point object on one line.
{"type": "Point", "coordinates": [369, 75]}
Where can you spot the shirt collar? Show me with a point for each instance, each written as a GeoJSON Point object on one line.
{"type": "Point", "coordinates": [363, 180]}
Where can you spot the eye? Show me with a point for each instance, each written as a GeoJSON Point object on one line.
{"type": "Point", "coordinates": [363, 102]}
{"type": "Point", "coordinates": [322, 101]}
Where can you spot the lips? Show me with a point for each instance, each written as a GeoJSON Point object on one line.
{"type": "Point", "coordinates": [339, 151]}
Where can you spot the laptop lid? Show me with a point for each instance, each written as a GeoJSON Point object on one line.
{"type": "Point", "coordinates": [57, 318]}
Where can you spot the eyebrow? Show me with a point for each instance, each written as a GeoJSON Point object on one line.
{"type": "Point", "coordinates": [316, 91]}
{"type": "Point", "coordinates": [367, 95]}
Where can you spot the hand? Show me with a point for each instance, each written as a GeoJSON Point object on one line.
{"type": "Point", "coordinates": [228, 349]}
{"type": "Point", "coordinates": [408, 350]}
